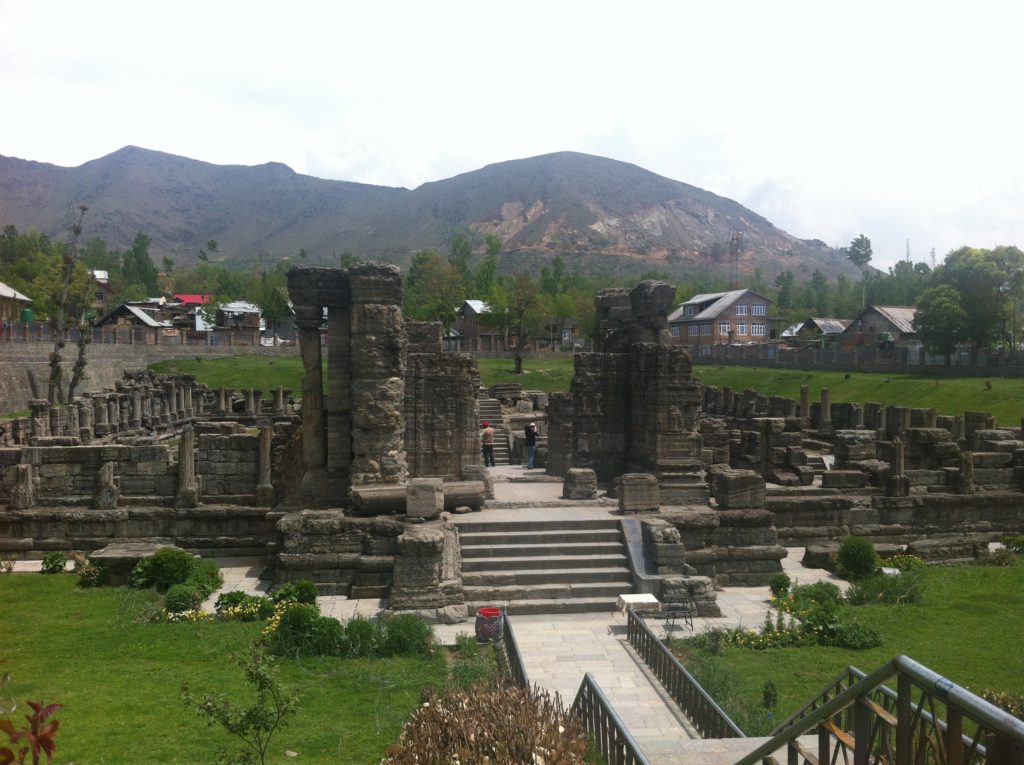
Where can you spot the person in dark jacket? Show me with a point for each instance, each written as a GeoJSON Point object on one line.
{"type": "Point", "coordinates": [531, 445]}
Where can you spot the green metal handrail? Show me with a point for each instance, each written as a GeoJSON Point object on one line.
{"type": "Point", "coordinates": [959, 701]}
{"type": "Point", "coordinates": [599, 718]}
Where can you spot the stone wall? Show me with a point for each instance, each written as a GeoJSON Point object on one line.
{"type": "Point", "coordinates": [442, 414]}
{"type": "Point", "coordinates": [227, 466]}
{"type": "Point", "coordinates": [210, 530]}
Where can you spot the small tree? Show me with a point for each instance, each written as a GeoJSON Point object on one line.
{"type": "Point", "coordinates": [859, 252]}
{"type": "Point", "coordinates": [61, 322]}
{"type": "Point", "coordinates": [941, 321]}
{"type": "Point", "coordinates": [256, 724]}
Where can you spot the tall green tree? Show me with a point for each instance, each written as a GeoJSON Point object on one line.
{"type": "Point", "coordinates": [982, 278]}
{"type": "Point", "coordinates": [434, 288]}
{"type": "Point", "coordinates": [941, 321]}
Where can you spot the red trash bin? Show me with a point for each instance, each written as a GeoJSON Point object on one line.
{"type": "Point", "coordinates": [490, 625]}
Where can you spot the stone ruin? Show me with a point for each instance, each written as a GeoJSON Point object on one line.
{"type": "Point", "coordinates": [350, 491]}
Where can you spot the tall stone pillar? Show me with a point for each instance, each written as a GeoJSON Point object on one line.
{"type": "Point", "coordinates": [264, 488]}
{"type": "Point", "coordinates": [249, 394]}
{"type": "Point", "coordinates": [223, 401]}
{"type": "Point", "coordinates": [40, 417]}
{"type": "Point", "coordinates": [84, 419]}
{"type": "Point", "coordinates": [188, 487]}
{"type": "Point", "coordinates": [965, 481]}
{"type": "Point", "coordinates": [100, 426]}
{"type": "Point", "coordinates": [729, 399]}
{"type": "Point", "coordinates": [187, 393]}
{"type": "Point", "coordinates": [136, 421]}
{"type": "Point", "coordinates": [897, 484]}
{"type": "Point", "coordinates": [825, 426]}
{"type": "Point", "coordinates": [314, 444]}
{"type": "Point", "coordinates": [805, 401]}
{"type": "Point", "coordinates": [257, 401]}
{"type": "Point", "coordinates": [279, 410]}
{"type": "Point", "coordinates": [179, 400]}
{"type": "Point", "coordinates": [378, 375]}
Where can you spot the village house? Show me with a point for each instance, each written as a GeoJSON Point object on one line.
{"type": "Point", "coordinates": [721, 318]}
{"type": "Point", "coordinates": [471, 334]}
{"type": "Point", "coordinates": [101, 300]}
{"type": "Point", "coordinates": [815, 331]}
{"type": "Point", "coordinates": [890, 326]}
{"type": "Point", "coordinates": [12, 303]}
{"type": "Point", "coordinates": [135, 323]}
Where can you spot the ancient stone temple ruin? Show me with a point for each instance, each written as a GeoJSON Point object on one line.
{"type": "Point", "coordinates": [351, 484]}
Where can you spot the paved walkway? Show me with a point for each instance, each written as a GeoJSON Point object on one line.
{"type": "Point", "coordinates": [559, 649]}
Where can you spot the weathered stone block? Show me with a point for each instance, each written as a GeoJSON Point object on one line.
{"type": "Point", "coordinates": [424, 498]}
{"type": "Point", "coordinates": [739, 489]}
{"type": "Point", "coordinates": [580, 483]}
{"type": "Point", "coordinates": [638, 493]}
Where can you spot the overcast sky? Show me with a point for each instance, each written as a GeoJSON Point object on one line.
{"type": "Point", "coordinates": [899, 120]}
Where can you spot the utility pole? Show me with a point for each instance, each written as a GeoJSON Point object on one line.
{"type": "Point", "coordinates": [735, 248]}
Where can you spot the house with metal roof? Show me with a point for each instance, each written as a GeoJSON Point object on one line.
{"type": "Point", "coordinates": [472, 333]}
{"type": "Point", "coordinates": [721, 318]}
{"type": "Point", "coordinates": [11, 303]}
{"type": "Point", "coordinates": [878, 324]}
{"type": "Point", "coordinates": [816, 330]}
{"type": "Point", "coordinates": [130, 323]}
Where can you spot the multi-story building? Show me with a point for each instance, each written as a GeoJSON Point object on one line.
{"type": "Point", "coordinates": [721, 318]}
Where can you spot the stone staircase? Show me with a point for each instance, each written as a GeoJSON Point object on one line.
{"type": "Point", "coordinates": [490, 411]}
{"type": "Point", "coordinates": [540, 567]}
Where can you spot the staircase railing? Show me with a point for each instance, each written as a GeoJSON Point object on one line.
{"type": "Point", "coordinates": [867, 723]}
{"type": "Point", "coordinates": [707, 717]}
{"type": "Point", "coordinates": [607, 729]}
{"type": "Point", "coordinates": [513, 656]}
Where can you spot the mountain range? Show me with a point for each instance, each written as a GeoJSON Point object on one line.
{"type": "Point", "coordinates": [594, 212]}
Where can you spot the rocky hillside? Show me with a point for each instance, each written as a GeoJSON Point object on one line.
{"type": "Point", "coordinates": [592, 211]}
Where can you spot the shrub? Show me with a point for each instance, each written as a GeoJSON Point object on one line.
{"type": "Point", "coordinates": [301, 591]}
{"type": "Point", "coordinates": [242, 607]}
{"type": "Point", "coordinates": [365, 636]}
{"type": "Point", "coordinates": [6, 565]}
{"type": "Point", "coordinates": [290, 630]}
{"type": "Point", "coordinates": [407, 635]}
{"type": "Point", "coordinates": [182, 597]}
{"type": "Point", "coordinates": [905, 588]}
{"type": "Point", "coordinates": [906, 563]}
{"type": "Point", "coordinates": [163, 569]}
{"type": "Point", "coordinates": [206, 577]}
{"type": "Point", "coordinates": [1003, 557]}
{"type": "Point", "coordinates": [1008, 702]}
{"type": "Point", "coordinates": [1014, 543]}
{"type": "Point", "coordinates": [779, 585]}
{"type": "Point", "coordinates": [491, 724]}
{"type": "Point", "coordinates": [857, 558]}
{"type": "Point", "coordinates": [803, 598]}
{"type": "Point", "coordinates": [853, 635]}
{"type": "Point", "coordinates": [89, 574]}
{"type": "Point", "coordinates": [54, 563]}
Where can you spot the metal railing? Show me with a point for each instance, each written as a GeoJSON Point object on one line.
{"type": "Point", "coordinates": [609, 733]}
{"type": "Point", "coordinates": [707, 717]}
{"type": "Point", "coordinates": [513, 657]}
{"type": "Point", "coordinates": [860, 720]}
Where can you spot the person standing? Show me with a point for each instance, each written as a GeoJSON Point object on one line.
{"type": "Point", "coordinates": [487, 440]}
{"type": "Point", "coordinates": [531, 445]}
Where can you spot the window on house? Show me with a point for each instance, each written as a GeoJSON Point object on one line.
{"type": "Point", "coordinates": [757, 329]}
{"type": "Point", "coordinates": [689, 310]}
{"type": "Point", "coordinates": [759, 310]}
{"type": "Point", "coordinates": [705, 329]}
{"type": "Point", "coordinates": [724, 328]}
{"type": "Point", "coordinates": [741, 309]}
{"type": "Point", "coordinates": [675, 330]}
{"type": "Point", "coordinates": [694, 330]}
{"type": "Point", "coordinates": [566, 334]}
{"type": "Point", "coordinates": [741, 328]}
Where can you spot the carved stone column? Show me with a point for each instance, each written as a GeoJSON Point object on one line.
{"type": "Point", "coordinates": [825, 425]}
{"type": "Point", "coordinates": [279, 401]}
{"type": "Point", "coordinates": [264, 488]}
{"type": "Point", "coordinates": [805, 400]}
{"type": "Point", "coordinates": [187, 393]}
{"type": "Point", "coordinates": [136, 421]}
{"type": "Point", "coordinates": [84, 419]}
{"type": "Point", "coordinates": [314, 442]}
{"type": "Point", "coordinates": [378, 375]}
{"type": "Point", "coordinates": [188, 487]}
{"type": "Point", "coordinates": [100, 427]}
{"type": "Point", "coordinates": [40, 417]}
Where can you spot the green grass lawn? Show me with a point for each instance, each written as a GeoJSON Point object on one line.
{"type": "Point", "coordinates": [968, 628]}
{"type": "Point", "coordinates": [120, 680]}
{"type": "Point", "coordinates": [553, 373]}
{"type": "Point", "coordinates": [947, 396]}
{"type": "Point", "coordinates": [237, 372]}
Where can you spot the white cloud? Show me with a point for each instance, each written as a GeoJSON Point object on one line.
{"type": "Point", "coordinates": [830, 119]}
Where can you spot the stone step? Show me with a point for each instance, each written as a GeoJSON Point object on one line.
{"type": "Point", "coordinates": [511, 577]}
{"type": "Point", "coordinates": [551, 606]}
{"type": "Point", "coordinates": [544, 562]}
{"type": "Point", "coordinates": [548, 591]}
{"type": "Point", "coordinates": [471, 539]}
{"type": "Point", "coordinates": [471, 527]}
{"type": "Point", "coordinates": [531, 551]}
